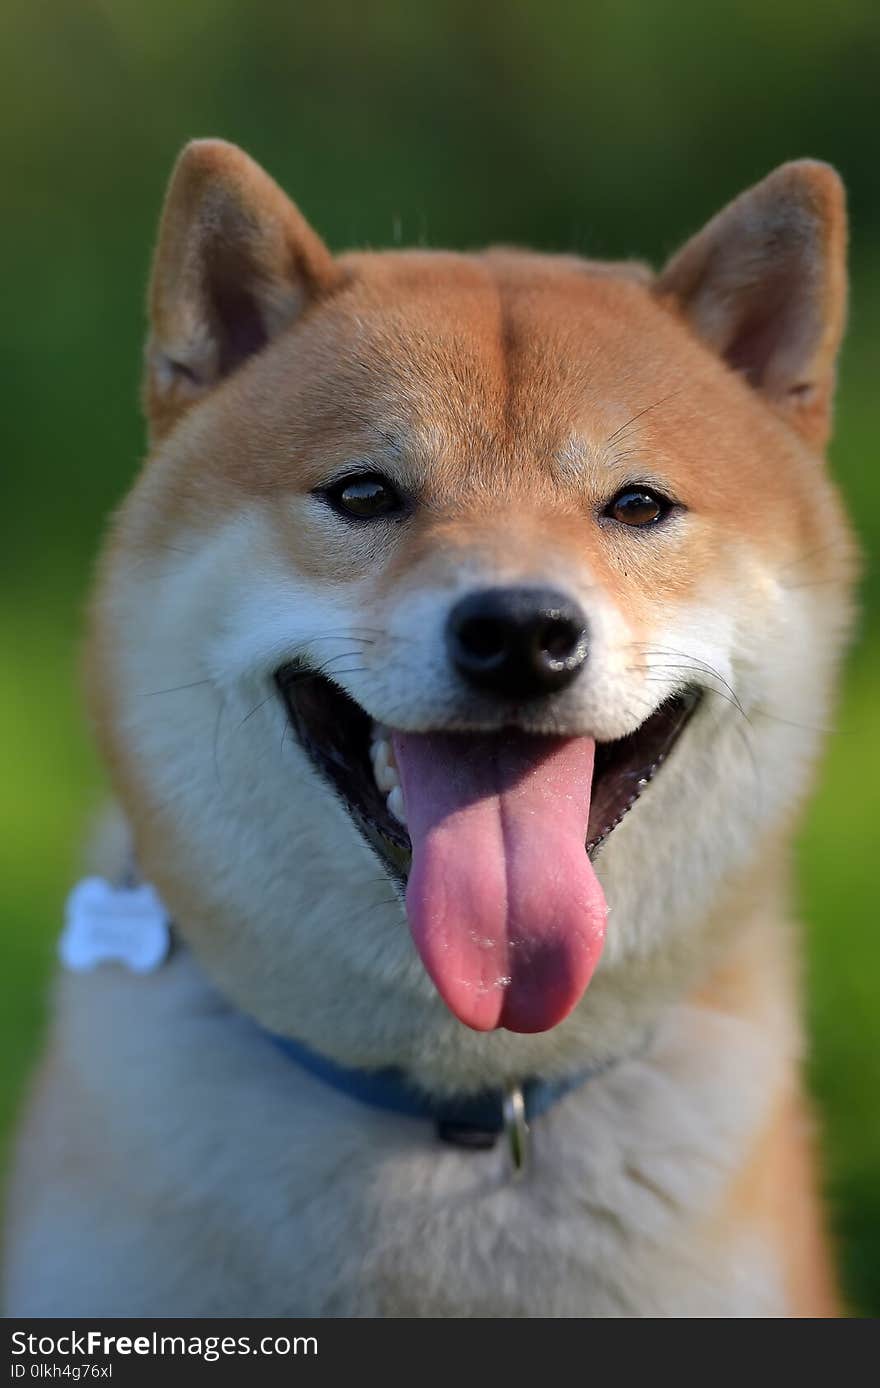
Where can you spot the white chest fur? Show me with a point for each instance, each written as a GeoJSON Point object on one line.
{"type": "Point", "coordinates": [227, 1181]}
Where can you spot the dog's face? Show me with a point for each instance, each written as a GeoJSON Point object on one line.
{"type": "Point", "coordinates": [507, 587]}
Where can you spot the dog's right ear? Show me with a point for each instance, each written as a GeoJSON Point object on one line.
{"type": "Point", "coordinates": [236, 262]}
{"type": "Point", "coordinates": [764, 285]}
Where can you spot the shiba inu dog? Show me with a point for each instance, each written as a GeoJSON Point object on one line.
{"type": "Point", "coordinates": [460, 660]}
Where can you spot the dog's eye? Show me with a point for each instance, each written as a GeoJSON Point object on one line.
{"type": "Point", "coordinates": [364, 495]}
{"type": "Point", "coordinates": [638, 506]}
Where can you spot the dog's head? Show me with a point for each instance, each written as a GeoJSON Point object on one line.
{"type": "Point", "coordinates": [507, 585]}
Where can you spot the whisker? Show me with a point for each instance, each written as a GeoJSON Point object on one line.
{"type": "Point", "coordinates": [729, 694]}
{"type": "Point", "coordinates": [627, 453]}
{"type": "Point", "coordinates": [694, 664]}
{"type": "Point", "coordinates": [649, 650]}
{"type": "Point", "coordinates": [340, 636]}
{"type": "Point", "coordinates": [221, 707]}
{"type": "Point", "coordinates": [309, 672]}
{"type": "Point", "coordinates": [377, 905]}
{"type": "Point", "coordinates": [792, 723]}
{"type": "Point", "coordinates": [352, 670]}
{"type": "Point", "coordinates": [340, 655]}
{"type": "Point", "coordinates": [719, 693]}
{"type": "Point", "coordinates": [814, 583]}
{"type": "Point", "coordinates": [175, 689]}
{"type": "Point", "coordinates": [811, 554]}
{"type": "Point", "coordinates": [617, 433]}
{"type": "Point", "coordinates": [759, 785]}
{"type": "Point", "coordinates": [697, 669]}
{"type": "Point", "coordinates": [256, 708]}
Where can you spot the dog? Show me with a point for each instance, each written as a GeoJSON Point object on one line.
{"type": "Point", "coordinates": [459, 660]}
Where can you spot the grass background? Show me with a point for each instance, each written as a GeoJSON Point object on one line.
{"type": "Point", "coordinates": [614, 128]}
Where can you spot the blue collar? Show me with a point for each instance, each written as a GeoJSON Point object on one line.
{"type": "Point", "coordinates": [475, 1120]}
{"type": "Point", "coordinates": [466, 1120]}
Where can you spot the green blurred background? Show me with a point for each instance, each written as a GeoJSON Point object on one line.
{"type": "Point", "coordinates": [611, 128]}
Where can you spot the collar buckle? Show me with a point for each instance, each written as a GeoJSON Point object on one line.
{"type": "Point", "coordinates": [516, 1129]}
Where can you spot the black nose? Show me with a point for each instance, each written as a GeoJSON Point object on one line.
{"type": "Point", "coordinates": [517, 642]}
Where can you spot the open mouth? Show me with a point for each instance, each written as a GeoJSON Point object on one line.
{"type": "Point", "coordinates": [357, 757]}
{"type": "Point", "coordinates": [492, 834]}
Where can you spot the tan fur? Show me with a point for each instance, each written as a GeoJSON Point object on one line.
{"type": "Point", "coordinates": [510, 395]}
{"type": "Point", "coordinates": [774, 1191]}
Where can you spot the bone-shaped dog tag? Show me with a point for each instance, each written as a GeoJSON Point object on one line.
{"type": "Point", "coordinates": [107, 924]}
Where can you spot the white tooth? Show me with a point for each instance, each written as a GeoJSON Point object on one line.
{"type": "Point", "coordinates": [395, 804]}
{"type": "Point", "coordinates": [386, 777]}
{"type": "Point", "coordinates": [379, 755]}
{"type": "Point", "coordinates": [384, 765]}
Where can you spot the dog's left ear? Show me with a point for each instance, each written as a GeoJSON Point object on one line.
{"type": "Point", "coordinates": [236, 263]}
{"type": "Point", "coordinates": [764, 284]}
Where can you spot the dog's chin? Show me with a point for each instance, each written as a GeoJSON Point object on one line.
{"type": "Point", "coordinates": [339, 736]}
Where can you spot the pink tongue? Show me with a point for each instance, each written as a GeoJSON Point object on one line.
{"type": "Point", "coordinates": [503, 902]}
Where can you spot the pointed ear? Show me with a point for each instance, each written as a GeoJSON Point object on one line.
{"type": "Point", "coordinates": [235, 264]}
{"type": "Point", "coordinates": [764, 284]}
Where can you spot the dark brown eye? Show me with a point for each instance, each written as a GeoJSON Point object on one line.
{"type": "Point", "coordinates": [363, 495]}
{"type": "Point", "coordinates": [638, 506]}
